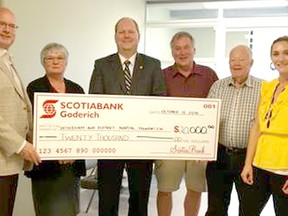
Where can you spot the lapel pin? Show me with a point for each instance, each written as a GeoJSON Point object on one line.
{"type": "Point", "coordinates": [140, 67]}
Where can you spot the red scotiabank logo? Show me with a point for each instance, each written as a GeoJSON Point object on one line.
{"type": "Point", "coordinates": [49, 109]}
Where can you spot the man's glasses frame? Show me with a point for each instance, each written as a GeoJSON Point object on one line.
{"type": "Point", "coordinates": [10, 25]}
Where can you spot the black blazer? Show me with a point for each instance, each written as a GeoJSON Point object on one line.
{"type": "Point", "coordinates": [108, 77]}
{"type": "Point", "coordinates": [52, 168]}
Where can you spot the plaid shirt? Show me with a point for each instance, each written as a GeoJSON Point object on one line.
{"type": "Point", "coordinates": [238, 109]}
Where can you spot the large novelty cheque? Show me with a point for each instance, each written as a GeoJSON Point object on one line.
{"type": "Point", "coordinates": [75, 126]}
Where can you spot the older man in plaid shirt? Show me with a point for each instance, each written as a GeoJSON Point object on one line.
{"type": "Point", "coordinates": [239, 96]}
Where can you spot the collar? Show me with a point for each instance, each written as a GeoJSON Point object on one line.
{"type": "Point", "coordinates": [248, 82]}
{"type": "Point", "coordinates": [193, 72]}
{"type": "Point", "coordinates": [132, 59]}
{"type": "Point", "coordinates": [3, 52]}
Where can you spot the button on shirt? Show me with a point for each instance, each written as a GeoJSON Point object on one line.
{"type": "Point", "coordinates": [238, 109]}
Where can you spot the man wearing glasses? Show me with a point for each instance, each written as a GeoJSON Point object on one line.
{"type": "Point", "coordinates": [15, 119]}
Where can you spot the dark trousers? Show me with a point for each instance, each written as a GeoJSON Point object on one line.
{"type": "Point", "coordinates": [8, 187]}
{"type": "Point", "coordinates": [221, 175]}
{"type": "Point", "coordinates": [110, 173]}
{"type": "Point", "coordinates": [265, 185]}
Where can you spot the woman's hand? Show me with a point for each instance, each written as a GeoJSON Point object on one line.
{"type": "Point", "coordinates": [66, 162]}
{"type": "Point", "coordinates": [285, 187]}
{"type": "Point", "coordinates": [247, 174]}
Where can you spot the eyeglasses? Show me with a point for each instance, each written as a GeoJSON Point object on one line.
{"type": "Point", "coordinates": [50, 59]}
{"type": "Point", "coordinates": [10, 25]}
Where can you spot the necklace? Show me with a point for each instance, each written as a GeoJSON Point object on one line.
{"type": "Point", "coordinates": [279, 89]}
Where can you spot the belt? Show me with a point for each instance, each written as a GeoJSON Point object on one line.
{"type": "Point", "coordinates": [232, 150]}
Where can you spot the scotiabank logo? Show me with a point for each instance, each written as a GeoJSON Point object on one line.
{"type": "Point", "coordinates": [49, 109]}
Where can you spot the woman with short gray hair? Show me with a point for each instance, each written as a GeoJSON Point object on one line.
{"type": "Point", "coordinates": [55, 184]}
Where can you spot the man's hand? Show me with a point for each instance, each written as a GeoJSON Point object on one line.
{"type": "Point", "coordinates": [29, 153]}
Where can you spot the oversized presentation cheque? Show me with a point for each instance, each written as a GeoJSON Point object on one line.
{"type": "Point", "coordinates": [76, 126]}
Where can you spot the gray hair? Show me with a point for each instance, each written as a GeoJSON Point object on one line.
{"type": "Point", "coordinates": [53, 46]}
{"type": "Point", "coordinates": [181, 34]}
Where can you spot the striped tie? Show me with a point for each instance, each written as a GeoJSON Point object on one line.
{"type": "Point", "coordinates": [127, 76]}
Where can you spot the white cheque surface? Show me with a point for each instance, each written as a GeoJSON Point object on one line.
{"type": "Point", "coordinates": [76, 126]}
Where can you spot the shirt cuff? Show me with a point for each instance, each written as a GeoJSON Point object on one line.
{"type": "Point", "coordinates": [21, 147]}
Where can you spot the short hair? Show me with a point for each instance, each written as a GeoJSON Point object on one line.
{"type": "Point", "coordinates": [135, 23]}
{"type": "Point", "coordinates": [181, 34]}
{"type": "Point", "coordinates": [53, 46]}
{"type": "Point", "coordinates": [280, 39]}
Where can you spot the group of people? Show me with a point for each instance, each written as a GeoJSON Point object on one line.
{"type": "Point", "coordinates": [257, 163]}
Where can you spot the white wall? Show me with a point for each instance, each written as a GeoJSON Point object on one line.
{"type": "Point", "coordinates": [261, 51]}
{"type": "Point", "coordinates": [85, 28]}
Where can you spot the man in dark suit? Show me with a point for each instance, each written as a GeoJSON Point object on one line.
{"type": "Point", "coordinates": [15, 119]}
{"type": "Point", "coordinates": [109, 77]}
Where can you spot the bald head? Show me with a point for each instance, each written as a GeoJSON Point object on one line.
{"type": "Point", "coordinates": [240, 61]}
{"type": "Point", "coordinates": [242, 48]}
{"type": "Point", "coordinates": [5, 10]}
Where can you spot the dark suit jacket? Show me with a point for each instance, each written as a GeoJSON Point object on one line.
{"type": "Point", "coordinates": [147, 80]}
{"type": "Point", "coordinates": [108, 77]}
{"type": "Point", "coordinates": [51, 168]}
